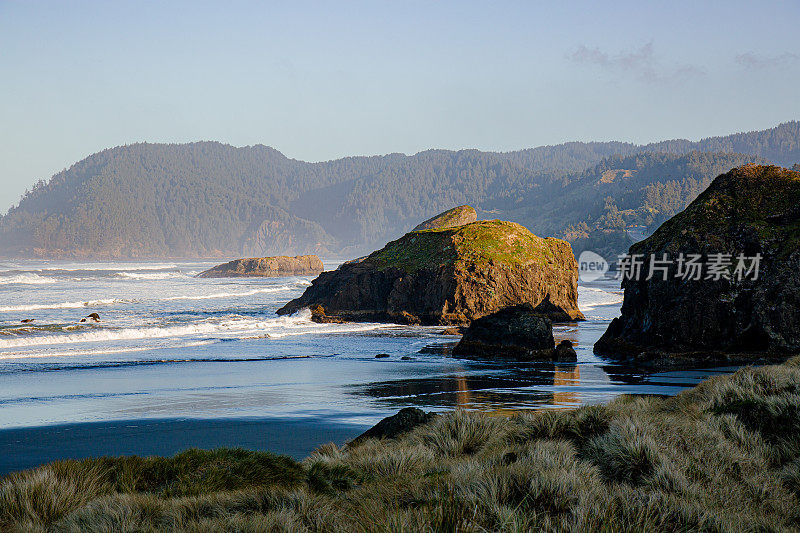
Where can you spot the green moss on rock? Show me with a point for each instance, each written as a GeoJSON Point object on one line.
{"type": "Point", "coordinates": [478, 243]}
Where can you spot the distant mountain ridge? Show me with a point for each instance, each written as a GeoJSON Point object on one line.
{"type": "Point", "coordinates": [208, 199]}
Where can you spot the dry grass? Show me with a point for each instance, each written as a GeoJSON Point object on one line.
{"type": "Point", "coordinates": [724, 456]}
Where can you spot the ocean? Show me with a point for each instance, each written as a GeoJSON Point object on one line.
{"type": "Point", "coordinates": [170, 345]}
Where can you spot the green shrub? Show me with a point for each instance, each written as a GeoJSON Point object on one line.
{"type": "Point", "coordinates": [625, 453]}
{"type": "Point", "coordinates": [325, 477]}
{"type": "Point", "coordinates": [461, 433]}
{"type": "Point", "coordinates": [199, 471]}
{"type": "Point", "coordinates": [35, 499]}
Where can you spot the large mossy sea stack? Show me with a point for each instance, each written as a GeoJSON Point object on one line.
{"type": "Point", "coordinates": [449, 275]}
{"type": "Point", "coordinates": [265, 267]}
{"type": "Point", "coordinates": [752, 210]}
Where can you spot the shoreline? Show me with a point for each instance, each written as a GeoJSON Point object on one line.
{"type": "Point", "coordinates": [719, 454]}
{"type": "Point", "coordinates": [29, 447]}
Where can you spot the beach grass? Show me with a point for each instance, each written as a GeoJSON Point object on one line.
{"type": "Point", "coordinates": [723, 456]}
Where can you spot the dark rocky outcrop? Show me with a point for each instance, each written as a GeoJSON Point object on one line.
{"type": "Point", "coordinates": [265, 267]}
{"type": "Point", "coordinates": [458, 216]}
{"type": "Point", "coordinates": [448, 276]}
{"type": "Point", "coordinates": [750, 210]}
{"type": "Point", "coordinates": [516, 333]}
{"type": "Point", "coordinates": [393, 426]}
{"type": "Point", "coordinates": [565, 352]}
{"type": "Point", "coordinates": [91, 317]}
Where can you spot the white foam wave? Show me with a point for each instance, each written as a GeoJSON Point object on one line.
{"type": "Point", "coordinates": [329, 328]}
{"type": "Point", "coordinates": [25, 279]}
{"type": "Point", "coordinates": [62, 305]}
{"type": "Point", "coordinates": [591, 297]}
{"type": "Point", "coordinates": [211, 296]}
{"type": "Point", "coordinates": [233, 326]}
{"type": "Point", "coordinates": [120, 267]}
{"type": "Point", "coordinates": [150, 275]}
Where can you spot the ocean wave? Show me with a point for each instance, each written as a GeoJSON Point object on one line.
{"type": "Point", "coordinates": [118, 267]}
{"type": "Point", "coordinates": [328, 329]}
{"type": "Point", "coordinates": [99, 351]}
{"type": "Point", "coordinates": [591, 297]}
{"type": "Point", "coordinates": [150, 275]}
{"type": "Point", "coordinates": [233, 326]}
{"type": "Point", "coordinates": [252, 292]}
{"type": "Point", "coordinates": [62, 305]}
{"type": "Point", "coordinates": [29, 329]}
{"type": "Point", "coordinates": [25, 279]}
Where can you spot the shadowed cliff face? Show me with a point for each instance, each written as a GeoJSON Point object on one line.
{"type": "Point", "coordinates": [750, 210]}
{"type": "Point", "coordinates": [448, 276]}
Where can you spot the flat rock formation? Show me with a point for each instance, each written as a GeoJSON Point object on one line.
{"type": "Point", "coordinates": [448, 276]}
{"type": "Point", "coordinates": [266, 267]}
{"type": "Point", "coordinates": [738, 318]}
{"type": "Point", "coordinates": [458, 216]}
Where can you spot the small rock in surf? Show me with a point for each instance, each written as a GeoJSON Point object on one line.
{"type": "Point", "coordinates": [92, 317]}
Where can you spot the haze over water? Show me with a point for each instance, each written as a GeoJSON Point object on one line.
{"type": "Point", "coordinates": [170, 345]}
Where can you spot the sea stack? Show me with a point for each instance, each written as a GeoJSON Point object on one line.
{"type": "Point", "coordinates": [744, 232]}
{"type": "Point", "coordinates": [266, 267]}
{"type": "Point", "coordinates": [448, 276]}
{"type": "Point", "coordinates": [515, 333]}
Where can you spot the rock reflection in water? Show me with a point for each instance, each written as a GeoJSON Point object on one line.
{"type": "Point", "coordinates": [566, 377]}
{"type": "Point", "coordinates": [482, 387]}
{"type": "Point", "coordinates": [508, 387]}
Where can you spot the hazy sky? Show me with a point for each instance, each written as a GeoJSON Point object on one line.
{"type": "Point", "coordinates": [320, 80]}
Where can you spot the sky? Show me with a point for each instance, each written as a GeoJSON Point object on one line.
{"type": "Point", "coordinates": [322, 80]}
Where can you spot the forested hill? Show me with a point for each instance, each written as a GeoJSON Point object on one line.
{"type": "Point", "coordinates": [208, 199]}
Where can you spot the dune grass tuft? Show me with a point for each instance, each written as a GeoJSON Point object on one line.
{"type": "Point", "coordinates": [724, 456]}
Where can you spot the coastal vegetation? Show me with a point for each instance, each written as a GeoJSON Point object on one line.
{"type": "Point", "coordinates": [723, 456]}
{"type": "Point", "coordinates": [448, 275]}
{"type": "Point", "coordinates": [478, 243]}
{"type": "Point", "coordinates": [207, 199]}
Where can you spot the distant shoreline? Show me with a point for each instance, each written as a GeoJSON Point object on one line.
{"type": "Point", "coordinates": [29, 447]}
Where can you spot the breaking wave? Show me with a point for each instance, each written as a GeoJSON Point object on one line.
{"type": "Point", "coordinates": [591, 297]}
{"type": "Point", "coordinates": [62, 305]}
{"type": "Point", "coordinates": [229, 327]}
{"type": "Point", "coordinates": [252, 292]}
{"type": "Point", "coordinates": [25, 279]}
{"type": "Point", "coordinates": [120, 267]}
{"type": "Point", "coordinates": [150, 275]}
